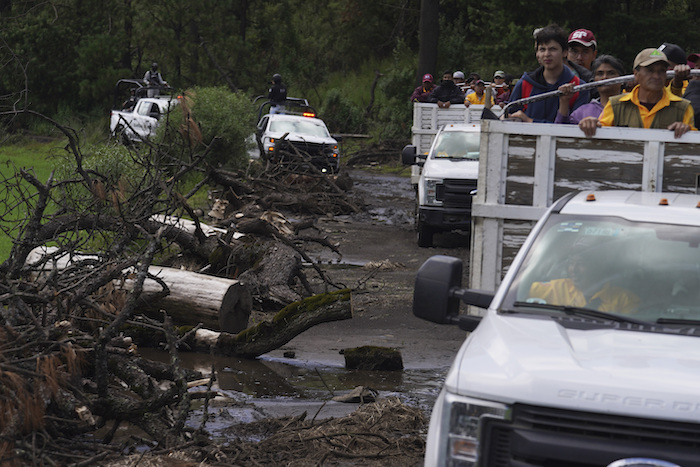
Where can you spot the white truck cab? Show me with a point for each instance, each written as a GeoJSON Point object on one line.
{"type": "Point", "coordinates": [447, 181]}
{"type": "Point", "coordinates": [141, 122]}
{"type": "Point", "coordinates": [589, 351]}
{"type": "Point", "coordinates": [305, 132]}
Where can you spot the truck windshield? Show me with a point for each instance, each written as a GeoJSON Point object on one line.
{"type": "Point", "coordinates": [300, 127]}
{"type": "Point", "coordinates": [457, 145]}
{"type": "Point", "coordinates": [645, 271]}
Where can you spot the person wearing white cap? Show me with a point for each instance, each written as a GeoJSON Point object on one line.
{"type": "Point", "coordinates": [501, 90]}
{"type": "Point", "coordinates": [650, 104]}
{"type": "Point", "coordinates": [458, 78]}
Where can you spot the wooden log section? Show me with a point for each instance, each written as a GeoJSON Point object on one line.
{"type": "Point", "coordinates": [285, 325]}
{"type": "Point", "coordinates": [216, 302]}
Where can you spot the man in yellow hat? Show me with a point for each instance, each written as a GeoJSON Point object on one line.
{"type": "Point", "coordinates": [650, 104]}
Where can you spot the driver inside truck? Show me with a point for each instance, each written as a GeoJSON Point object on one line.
{"type": "Point", "coordinates": [586, 286]}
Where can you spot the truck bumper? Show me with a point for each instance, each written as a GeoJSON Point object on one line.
{"type": "Point", "coordinates": [445, 219]}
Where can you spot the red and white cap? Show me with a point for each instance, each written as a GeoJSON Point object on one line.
{"type": "Point", "coordinates": [428, 77]}
{"type": "Point", "coordinates": [583, 37]}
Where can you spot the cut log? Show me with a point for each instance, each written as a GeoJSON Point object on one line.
{"type": "Point", "coordinates": [218, 303]}
{"type": "Point", "coordinates": [286, 324]}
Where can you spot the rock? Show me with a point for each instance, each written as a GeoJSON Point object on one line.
{"type": "Point", "coordinates": [371, 357]}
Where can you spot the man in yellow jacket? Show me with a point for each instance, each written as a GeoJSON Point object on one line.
{"type": "Point", "coordinates": [650, 104]}
{"type": "Point", "coordinates": [582, 289]}
{"type": "Point", "coordinates": [478, 96]}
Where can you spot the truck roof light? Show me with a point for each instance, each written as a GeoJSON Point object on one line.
{"type": "Point", "coordinates": [309, 114]}
{"type": "Point", "coordinates": [590, 197]}
{"type": "Point", "coordinates": [663, 202]}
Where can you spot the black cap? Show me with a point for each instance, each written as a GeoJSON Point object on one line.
{"type": "Point", "coordinates": [674, 53]}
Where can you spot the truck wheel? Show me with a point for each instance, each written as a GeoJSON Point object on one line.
{"type": "Point", "coordinates": [425, 235]}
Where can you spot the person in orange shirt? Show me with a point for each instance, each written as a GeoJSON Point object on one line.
{"type": "Point", "coordinates": [478, 96]}
{"type": "Point", "coordinates": [583, 289]}
{"type": "Point", "coordinates": [650, 104]}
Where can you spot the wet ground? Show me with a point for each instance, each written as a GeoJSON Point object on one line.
{"type": "Point", "coordinates": [380, 258]}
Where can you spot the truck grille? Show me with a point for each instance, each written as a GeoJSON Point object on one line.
{"type": "Point", "coordinates": [320, 154]}
{"type": "Point", "coordinates": [546, 437]}
{"type": "Point", "coordinates": [455, 193]}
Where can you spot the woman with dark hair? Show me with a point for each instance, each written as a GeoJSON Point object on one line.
{"type": "Point", "coordinates": [604, 67]}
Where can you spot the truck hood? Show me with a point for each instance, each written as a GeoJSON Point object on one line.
{"type": "Point", "coordinates": [451, 168]}
{"type": "Point", "coordinates": [537, 361]}
{"type": "Point", "coordinates": [305, 138]}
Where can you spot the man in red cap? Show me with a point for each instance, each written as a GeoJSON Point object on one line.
{"type": "Point", "coordinates": [422, 92]}
{"type": "Point", "coordinates": [583, 49]}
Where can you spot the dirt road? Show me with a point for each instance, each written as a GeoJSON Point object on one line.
{"type": "Point", "coordinates": [381, 258]}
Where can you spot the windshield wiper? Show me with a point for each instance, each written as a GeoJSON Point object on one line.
{"type": "Point", "coordinates": [685, 322]}
{"type": "Point", "coordinates": [587, 312]}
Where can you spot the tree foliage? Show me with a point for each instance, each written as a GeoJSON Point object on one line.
{"type": "Point", "coordinates": [70, 54]}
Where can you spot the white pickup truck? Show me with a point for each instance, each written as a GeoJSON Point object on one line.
{"type": "Point", "coordinates": [140, 123]}
{"type": "Point", "coordinates": [589, 351]}
{"type": "Point", "coordinates": [447, 182]}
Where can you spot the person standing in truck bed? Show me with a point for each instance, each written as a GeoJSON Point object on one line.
{"type": "Point", "coordinates": [650, 104]}
{"type": "Point", "coordinates": [277, 94]}
{"type": "Point", "coordinates": [604, 67]}
{"type": "Point", "coordinates": [422, 92]}
{"type": "Point", "coordinates": [551, 48]}
{"type": "Point", "coordinates": [447, 93]}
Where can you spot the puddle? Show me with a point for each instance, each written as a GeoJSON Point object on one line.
{"type": "Point", "coordinates": [251, 390]}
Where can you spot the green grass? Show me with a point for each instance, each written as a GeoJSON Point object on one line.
{"type": "Point", "coordinates": [28, 155]}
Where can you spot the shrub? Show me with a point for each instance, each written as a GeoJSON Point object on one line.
{"type": "Point", "coordinates": [216, 118]}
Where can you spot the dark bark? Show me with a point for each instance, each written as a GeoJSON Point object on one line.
{"type": "Point", "coordinates": [429, 35]}
{"type": "Point", "coordinates": [287, 324]}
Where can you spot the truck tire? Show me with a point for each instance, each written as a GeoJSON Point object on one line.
{"type": "Point", "coordinates": [425, 235]}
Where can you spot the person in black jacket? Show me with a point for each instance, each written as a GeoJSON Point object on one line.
{"type": "Point", "coordinates": [277, 94]}
{"type": "Point", "coordinates": [447, 93]}
{"type": "Point", "coordinates": [154, 80]}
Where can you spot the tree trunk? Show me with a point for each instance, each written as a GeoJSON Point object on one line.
{"type": "Point", "coordinates": [287, 324]}
{"type": "Point", "coordinates": [218, 303]}
{"type": "Point", "coordinates": [429, 35]}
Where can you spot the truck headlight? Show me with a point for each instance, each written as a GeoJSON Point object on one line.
{"type": "Point", "coordinates": [461, 427]}
{"type": "Point", "coordinates": [431, 188]}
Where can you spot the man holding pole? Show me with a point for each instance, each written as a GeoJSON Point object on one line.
{"type": "Point", "coordinates": [650, 104]}
{"type": "Point", "coordinates": [551, 46]}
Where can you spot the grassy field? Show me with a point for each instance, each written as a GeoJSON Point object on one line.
{"type": "Point", "coordinates": [29, 155]}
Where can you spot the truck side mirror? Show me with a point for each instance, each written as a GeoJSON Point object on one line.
{"type": "Point", "coordinates": [408, 155]}
{"type": "Point", "coordinates": [432, 299]}
{"type": "Point", "coordinates": [438, 292]}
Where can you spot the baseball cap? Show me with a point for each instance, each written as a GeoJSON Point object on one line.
{"type": "Point", "coordinates": [673, 53]}
{"type": "Point", "coordinates": [649, 56]}
{"type": "Point", "coordinates": [428, 77]}
{"type": "Point", "coordinates": [583, 37]}
{"type": "Point", "coordinates": [458, 74]}
{"type": "Point", "coordinates": [694, 57]}
{"type": "Point", "coordinates": [479, 81]}
{"type": "Point", "coordinates": [500, 74]}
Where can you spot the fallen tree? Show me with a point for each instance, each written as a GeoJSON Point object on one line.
{"type": "Point", "coordinates": [69, 367]}
{"type": "Point", "coordinates": [284, 326]}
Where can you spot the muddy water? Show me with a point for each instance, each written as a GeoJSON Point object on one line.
{"type": "Point", "coordinates": [251, 390]}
